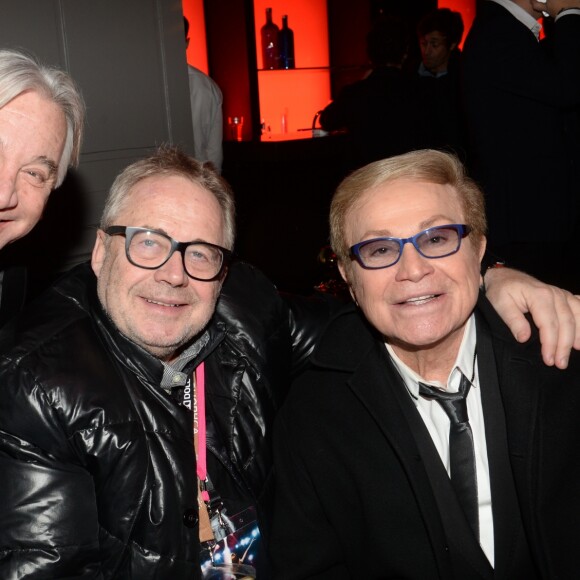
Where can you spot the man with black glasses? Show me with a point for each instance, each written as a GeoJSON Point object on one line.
{"type": "Point", "coordinates": [100, 378]}
{"type": "Point", "coordinates": [112, 379]}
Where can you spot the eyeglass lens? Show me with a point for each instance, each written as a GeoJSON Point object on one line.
{"type": "Point", "coordinates": [432, 243]}
{"type": "Point", "coordinates": [151, 249]}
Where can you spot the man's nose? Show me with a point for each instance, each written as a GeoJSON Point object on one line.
{"type": "Point", "coordinates": [412, 266]}
{"type": "Point", "coordinates": [8, 193]}
{"type": "Point", "coordinates": [173, 272]}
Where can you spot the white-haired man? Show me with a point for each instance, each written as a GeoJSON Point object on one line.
{"type": "Point", "coordinates": [41, 125]}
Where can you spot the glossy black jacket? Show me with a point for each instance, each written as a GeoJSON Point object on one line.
{"type": "Point", "coordinates": [97, 467]}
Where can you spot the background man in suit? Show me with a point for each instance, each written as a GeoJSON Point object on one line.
{"type": "Point", "coordinates": [376, 477]}
{"type": "Point", "coordinates": [439, 33]}
{"type": "Point", "coordinates": [522, 101]}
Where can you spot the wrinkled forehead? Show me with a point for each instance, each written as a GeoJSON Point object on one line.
{"type": "Point", "coordinates": [175, 205]}
{"type": "Point", "coordinates": [39, 122]}
{"type": "Point", "coordinates": [158, 193]}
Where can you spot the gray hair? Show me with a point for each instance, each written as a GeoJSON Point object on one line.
{"type": "Point", "coordinates": [20, 73]}
{"type": "Point", "coordinates": [425, 165]}
{"type": "Point", "coordinates": [168, 161]}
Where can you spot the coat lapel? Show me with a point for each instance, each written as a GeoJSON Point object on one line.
{"type": "Point", "coordinates": [511, 371]}
{"type": "Point", "coordinates": [506, 515]}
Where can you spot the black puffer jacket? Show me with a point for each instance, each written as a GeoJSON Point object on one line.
{"type": "Point", "coordinates": [97, 467]}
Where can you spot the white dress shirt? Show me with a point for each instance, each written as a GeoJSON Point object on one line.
{"type": "Point", "coordinates": [207, 117]}
{"type": "Point", "coordinates": [520, 14]}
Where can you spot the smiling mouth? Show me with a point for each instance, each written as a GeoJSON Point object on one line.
{"type": "Point", "coordinates": [163, 303]}
{"type": "Point", "coordinates": [420, 300]}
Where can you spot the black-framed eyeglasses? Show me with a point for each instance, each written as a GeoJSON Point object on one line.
{"type": "Point", "coordinates": [435, 242]}
{"type": "Point", "coordinates": [150, 249]}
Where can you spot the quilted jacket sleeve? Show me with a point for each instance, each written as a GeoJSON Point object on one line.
{"type": "Point", "coordinates": [49, 527]}
{"type": "Point", "coordinates": [48, 515]}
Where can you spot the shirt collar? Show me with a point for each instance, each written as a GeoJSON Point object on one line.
{"type": "Point", "coordinates": [520, 14]}
{"type": "Point", "coordinates": [173, 375]}
{"type": "Point", "coordinates": [464, 364]}
{"type": "Point", "coordinates": [423, 72]}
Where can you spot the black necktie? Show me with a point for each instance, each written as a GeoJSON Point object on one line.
{"type": "Point", "coordinates": [461, 450]}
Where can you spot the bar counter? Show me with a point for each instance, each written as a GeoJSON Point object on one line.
{"type": "Point", "coordinates": [283, 190]}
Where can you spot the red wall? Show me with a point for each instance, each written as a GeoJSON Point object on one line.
{"type": "Point", "coordinates": [197, 50]}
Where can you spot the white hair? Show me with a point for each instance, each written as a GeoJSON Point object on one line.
{"type": "Point", "coordinates": [20, 73]}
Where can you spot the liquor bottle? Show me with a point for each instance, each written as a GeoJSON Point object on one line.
{"type": "Point", "coordinates": [286, 45]}
{"type": "Point", "coordinates": [270, 31]}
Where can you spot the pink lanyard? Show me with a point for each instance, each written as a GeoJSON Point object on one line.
{"type": "Point", "coordinates": [199, 414]}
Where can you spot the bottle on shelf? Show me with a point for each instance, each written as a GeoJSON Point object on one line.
{"type": "Point", "coordinates": [270, 32]}
{"type": "Point", "coordinates": [286, 45]}
{"type": "Point", "coordinates": [284, 121]}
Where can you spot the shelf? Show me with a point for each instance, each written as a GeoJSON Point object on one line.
{"type": "Point", "coordinates": [289, 98]}
{"type": "Point", "coordinates": [298, 68]}
{"type": "Point", "coordinates": [293, 135]}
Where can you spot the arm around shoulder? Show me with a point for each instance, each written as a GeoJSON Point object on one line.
{"type": "Point", "coordinates": [556, 312]}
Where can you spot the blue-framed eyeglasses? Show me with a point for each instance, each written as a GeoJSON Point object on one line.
{"type": "Point", "coordinates": [150, 249]}
{"type": "Point", "coordinates": [435, 242]}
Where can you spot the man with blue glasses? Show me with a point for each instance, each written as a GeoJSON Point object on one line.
{"type": "Point", "coordinates": [424, 442]}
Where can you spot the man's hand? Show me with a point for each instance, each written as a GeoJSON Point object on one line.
{"type": "Point", "coordinates": [555, 312]}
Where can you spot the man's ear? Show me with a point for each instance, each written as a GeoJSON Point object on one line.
{"type": "Point", "coordinates": [482, 248]}
{"type": "Point", "coordinates": [481, 253]}
{"type": "Point", "coordinates": [344, 275]}
{"type": "Point", "coordinates": [99, 251]}
{"type": "Point", "coordinates": [342, 270]}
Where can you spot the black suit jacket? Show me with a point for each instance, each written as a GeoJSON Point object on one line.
{"type": "Point", "coordinates": [542, 411]}
{"type": "Point", "coordinates": [522, 102]}
{"type": "Point", "coordinates": [362, 492]}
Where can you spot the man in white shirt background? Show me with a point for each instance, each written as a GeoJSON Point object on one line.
{"type": "Point", "coordinates": [206, 113]}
